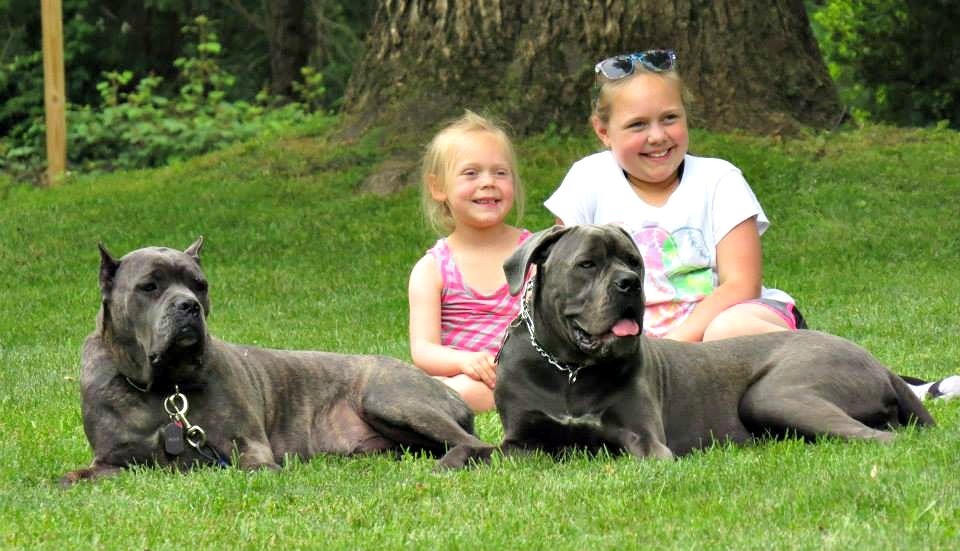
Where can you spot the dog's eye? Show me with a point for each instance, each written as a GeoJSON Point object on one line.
{"type": "Point", "coordinates": [200, 286]}
{"type": "Point", "coordinates": [147, 287]}
{"type": "Point", "coordinates": [586, 264]}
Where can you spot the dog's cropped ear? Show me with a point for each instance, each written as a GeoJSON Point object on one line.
{"type": "Point", "coordinates": [108, 269]}
{"type": "Point", "coordinates": [624, 232]}
{"type": "Point", "coordinates": [533, 251]}
{"type": "Point", "coordinates": [193, 251]}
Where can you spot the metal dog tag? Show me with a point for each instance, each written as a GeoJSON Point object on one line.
{"type": "Point", "coordinates": [173, 442]}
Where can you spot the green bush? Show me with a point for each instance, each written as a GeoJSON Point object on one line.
{"type": "Point", "coordinates": [895, 61]}
{"type": "Point", "coordinates": [135, 126]}
{"type": "Point", "coordinates": [21, 86]}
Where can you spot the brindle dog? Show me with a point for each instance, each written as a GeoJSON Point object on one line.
{"type": "Point", "coordinates": [157, 389]}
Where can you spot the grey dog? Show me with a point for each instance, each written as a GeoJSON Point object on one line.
{"type": "Point", "coordinates": [157, 389]}
{"type": "Point", "coordinates": [575, 372]}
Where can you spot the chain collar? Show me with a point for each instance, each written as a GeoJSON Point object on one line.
{"type": "Point", "coordinates": [526, 315]}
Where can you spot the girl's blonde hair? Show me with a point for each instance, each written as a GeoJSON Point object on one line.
{"type": "Point", "coordinates": [605, 88]}
{"type": "Point", "coordinates": [439, 158]}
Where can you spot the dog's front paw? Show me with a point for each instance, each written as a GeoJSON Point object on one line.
{"type": "Point", "coordinates": [254, 456]}
{"type": "Point", "coordinates": [646, 448]}
{"type": "Point", "coordinates": [659, 451]}
{"type": "Point", "coordinates": [72, 477]}
{"type": "Point", "coordinates": [93, 472]}
{"type": "Point", "coordinates": [258, 465]}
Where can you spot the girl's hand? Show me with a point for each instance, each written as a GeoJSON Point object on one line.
{"type": "Point", "coordinates": [482, 367]}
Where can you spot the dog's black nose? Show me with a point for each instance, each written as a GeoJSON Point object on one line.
{"type": "Point", "coordinates": [188, 306]}
{"type": "Point", "coordinates": [627, 283]}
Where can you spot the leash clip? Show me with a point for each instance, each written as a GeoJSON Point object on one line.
{"type": "Point", "coordinates": [176, 406]}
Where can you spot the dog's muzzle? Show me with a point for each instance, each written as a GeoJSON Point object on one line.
{"type": "Point", "coordinates": [180, 330]}
{"type": "Point", "coordinates": [623, 313]}
{"type": "Point", "coordinates": [188, 322]}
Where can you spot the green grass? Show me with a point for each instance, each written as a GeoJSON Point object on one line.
{"type": "Point", "coordinates": [865, 235]}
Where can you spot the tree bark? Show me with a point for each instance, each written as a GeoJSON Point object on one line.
{"type": "Point", "coordinates": [750, 65]}
{"type": "Point", "coordinates": [288, 34]}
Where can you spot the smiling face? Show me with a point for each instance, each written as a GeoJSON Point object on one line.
{"type": "Point", "coordinates": [479, 187]}
{"type": "Point", "coordinates": [646, 128]}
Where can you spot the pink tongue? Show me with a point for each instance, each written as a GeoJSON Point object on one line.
{"type": "Point", "coordinates": [625, 328]}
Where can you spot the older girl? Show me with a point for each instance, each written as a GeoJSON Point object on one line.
{"type": "Point", "coordinates": [695, 219]}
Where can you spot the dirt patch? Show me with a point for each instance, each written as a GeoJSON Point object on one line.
{"type": "Point", "coordinates": [391, 176]}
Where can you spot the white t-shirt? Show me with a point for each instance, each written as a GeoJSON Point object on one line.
{"type": "Point", "coordinates": [678, 240]}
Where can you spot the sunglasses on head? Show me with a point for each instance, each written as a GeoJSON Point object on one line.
{"type": "Point", "coordinates": [620, 66]}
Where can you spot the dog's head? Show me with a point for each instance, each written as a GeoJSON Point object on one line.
{"type": "Point", "coordinates": [154, 311]}
{"type": "Point", "coordinates": [589, 289]}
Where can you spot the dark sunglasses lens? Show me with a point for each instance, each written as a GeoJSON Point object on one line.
{"type": "Point", "coordinates": [616, 67]}
{"type": "Point", "coordinates": [660, 60]}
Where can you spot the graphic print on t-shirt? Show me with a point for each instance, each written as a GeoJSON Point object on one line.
{"type": "Point", "coordinates": [678, 274]}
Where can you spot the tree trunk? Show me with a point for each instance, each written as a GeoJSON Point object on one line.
{"type": "Point", "coordinates": [288, 34]}
{"type": "Point", "coordinates": [750, 65]}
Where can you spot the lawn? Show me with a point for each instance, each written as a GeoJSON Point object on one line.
{"type": "Point", "coordinates": [865, 234]}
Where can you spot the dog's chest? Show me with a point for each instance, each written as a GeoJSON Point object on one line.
{"type": "Point", "coordinates": [573, 409]}
{"type": "Point", "coordinates": [587, 420]}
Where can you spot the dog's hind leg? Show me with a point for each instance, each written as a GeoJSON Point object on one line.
{"type": "Point", "coordinates": [910, 407]}
{"type": "Point", "coordinates": [808, 415]}
{"type": "Point", "coordinates": [428, 424]}
{"type": "Point", "coordinates": [432, 430]}
{"type": "Point", "coordinates": [463, 455]}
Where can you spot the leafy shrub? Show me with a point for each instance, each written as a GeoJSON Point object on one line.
{"type": "Point", "coordinates": [21, 86]}
{"type": "Point", "coordinates": [21, 59]}
{"type": "Point", "coordinates": [895, 61]}
{"type": "Point", "coordinates": [135, 126]}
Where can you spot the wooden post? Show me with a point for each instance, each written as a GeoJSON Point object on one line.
{"type": "Point", "coordinates": [54, 84]}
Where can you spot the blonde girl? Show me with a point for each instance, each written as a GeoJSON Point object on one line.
{"type": "Point", "coordinates": [459, 301]}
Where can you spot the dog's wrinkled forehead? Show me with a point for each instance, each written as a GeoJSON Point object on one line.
{"type": "Point", "coordinates": [158, 263]}
{"type": "Point", "coordinates": [605, 241]}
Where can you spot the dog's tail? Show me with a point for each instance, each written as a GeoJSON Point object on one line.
{"type": "Point", "coordinates": [910, 408]}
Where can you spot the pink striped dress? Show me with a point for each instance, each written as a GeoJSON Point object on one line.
{"type": "Point", "coordinates": [470, 320]}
